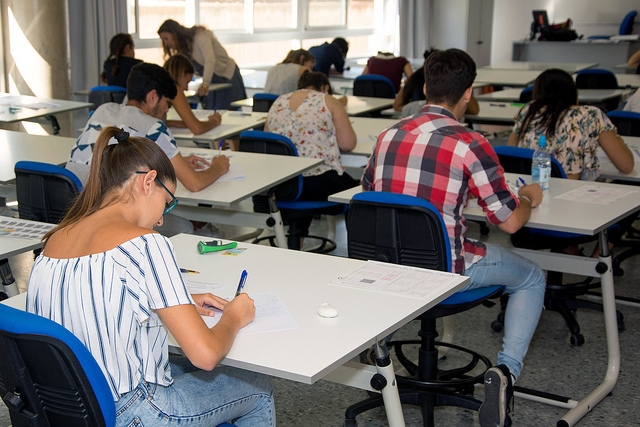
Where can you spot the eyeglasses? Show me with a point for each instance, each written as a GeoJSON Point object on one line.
{"type": "Point", "coordinates": [167, 206]}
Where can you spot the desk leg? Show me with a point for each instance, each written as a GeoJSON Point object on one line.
{"type": "Point", "coordinates": [613, 344]}
{"type": "Point", "coordinates": [390, 394]}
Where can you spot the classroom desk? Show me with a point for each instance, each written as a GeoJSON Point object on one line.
{"type": "Point", "coordinates": [233, 123]}
{"type": "Point", "coordinates": [585, 96]}
{"type": "Point", "coordinates": [631, 80]}
{"type": "Point", "coordinates": [29, 232]}
{"type": "Point", "coordinates": [16, 108]}
{"type": "Point", "coordinates": [506, 77]}
{"type": "Point", "coordinates": [494, 113]}
{"type": "Point", "coordinates": [569, 67]}
{"type": "Point", "coordinates": [568, 216]}
{"type": "Point", "coordinates": [220, 201]}
{"type": "Point", "coordinates": [319, 347]}
{"type": "Point", "coordinates": [367, 130]}
{"type": "Point", "coordinates": [356, 105]}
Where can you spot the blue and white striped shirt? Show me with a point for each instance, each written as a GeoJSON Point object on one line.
{"type": "Point", "coordinates": [108, 300]}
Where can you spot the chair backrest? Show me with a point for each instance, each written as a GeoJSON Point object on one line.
{"type": "Point", "coordinates": [596, 78]}
{"type": "Point", "coordinates": [397, 228]}
{"type": "Point", "coordinates": [102, 94]}
{"type": "Point", "coordinates": [373, 85]}
{"type": "Point", "coordinates": [518, 160]}
{"type": "Point", "coordinates": [263, 101]}
{"type": "Point", "coordinates": [626, 26]}
{"type": "Point", "coordinates": [45, 192]}
{"type": "Point", "coordinates": [48, 377]}
{"type": "Point", "coordinates": [256, 141]}
{"type": "Point", "coordinates": [627, 122]}
{"type": "Point", "coordinates": [526, 95]}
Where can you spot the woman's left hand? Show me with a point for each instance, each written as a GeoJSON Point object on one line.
{"type": "Point", "coordinates": [206, 302]}
{"type": "Point", "coordinates": [197, 162]}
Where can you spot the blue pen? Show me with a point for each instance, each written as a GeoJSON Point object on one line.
{"type": "Point", "coordinates": [220, 147]}
{"type": "Point", "coordinates": [522, 181]}
{"type": "Point", "coordinates": [243, 279]}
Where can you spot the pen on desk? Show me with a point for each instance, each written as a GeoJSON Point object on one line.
{"type": "Point", "coordinates": [215, 109]}
{"type": "Point", "coordinates": [497, 105]}
{"type": "Point", "coordinates": [186, 270]}
{"type": "Point", "coordinates": [243, 279]}
{"type": "Point", "coordinates": [220, 147]}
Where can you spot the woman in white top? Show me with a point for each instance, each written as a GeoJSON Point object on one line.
{"type": "Point", "coordinates": [210, 60]}
{"type": "Point", "coordinates": [283, 78]}
{"type": "Point", "coordinates": [105, 275]}
{"type": "Point", "coordinates": [181, 71]}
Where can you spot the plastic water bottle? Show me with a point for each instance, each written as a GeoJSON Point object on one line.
{"type": "Point", "coordinates": [541, 164]}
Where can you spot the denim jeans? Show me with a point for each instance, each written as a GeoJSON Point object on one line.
{"type": "Point", "coordinates": [525, 284]}
{"type": "Point", "coordinates": [200, 398]}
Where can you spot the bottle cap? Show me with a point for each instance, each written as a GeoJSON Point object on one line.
{"type": "Point", "coordinates": [542, 142]}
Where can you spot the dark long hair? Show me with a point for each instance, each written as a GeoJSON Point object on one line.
{"type": "Point", "coordinates": [554, 91]}
{"type": "Point", "coordinates": [117, 46]}
{"type": "Point", "coordinates": [182, 36]}
{"type": "Point", "coordinates": [113, 162]}
{"type": "Point", "coordinates": [414, 86]}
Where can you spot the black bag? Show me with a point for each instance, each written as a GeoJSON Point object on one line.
{"type": "Point", "coordinates": [558, 32]}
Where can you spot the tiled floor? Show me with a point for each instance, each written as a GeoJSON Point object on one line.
{"type": "Point", "coordinates": [552, 365]}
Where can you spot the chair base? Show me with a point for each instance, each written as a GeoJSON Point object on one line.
{"type": "Point", "coordinates": [293, 242]}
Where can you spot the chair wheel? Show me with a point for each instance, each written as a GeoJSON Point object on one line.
{"type": "Point", "coordinates": [577, 339]}
{"type": "Point", "coordinates": [497, 326]}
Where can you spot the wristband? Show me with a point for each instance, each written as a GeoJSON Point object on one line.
{"type": "Point", "coordinates": [525, 198]}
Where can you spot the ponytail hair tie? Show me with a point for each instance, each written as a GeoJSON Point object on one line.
{"type": "Point", "coordinates": [119, 137]}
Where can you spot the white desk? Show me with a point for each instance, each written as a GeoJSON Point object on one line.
{"type": "Point", "coordinates": [219, 201]}
{"type": "Point", "coordinates": [631, 80]}
{"type": "Point", "coordinates": [507, 77]}
{"type": "Point", "coordinates": [585, 96]}
{"type": "Point", "coordinates": [494, 113]}
{"type": "Point", "coordinates": [233, 123]}
{"type": "Point", "coordinates": [367, 130]}
{"type": "Point", "coordinates": [356, 105]}
{"type": "Point", "coordinates": [319, 347]}
{"type": "Point", "coordinates": [568, 216]}
{"type": "Point", "coordinates": [569, 67]}
{"type": "Point", "coordinates": [16, 108]}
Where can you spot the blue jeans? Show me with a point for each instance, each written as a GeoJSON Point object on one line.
{"type": "Point", "coordinates": [200, 398]}
{"type": "Point", "coordinates": [525, 284]}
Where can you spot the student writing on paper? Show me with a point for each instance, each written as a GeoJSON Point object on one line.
{"type": "Point", "coordinates": [105, 275]}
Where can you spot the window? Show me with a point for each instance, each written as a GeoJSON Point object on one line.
{"type": "Point", "coordinates": [259, 33]}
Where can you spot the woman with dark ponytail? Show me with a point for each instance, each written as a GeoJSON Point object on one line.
{"type": "Point", "coordinates": [115, 69]}
{"type": "Point", "coordinates": [105, 275]}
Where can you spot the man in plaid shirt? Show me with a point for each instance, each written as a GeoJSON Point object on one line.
{"type": "Point", "coordinates": [432, 156]}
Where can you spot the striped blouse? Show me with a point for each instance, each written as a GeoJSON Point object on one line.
{"type": "Point", "coordinates": [108, 300]}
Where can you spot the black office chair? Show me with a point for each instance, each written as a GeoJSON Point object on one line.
{"type": "Point", "coordinates": [44, 192]}
{"type": "Point", "coordinates": [559, 297]}
{"type": "Point", "coordinates": [263, 101]}
{"type": "Point", "coordinates": [48, 377]}
{"type": "Point", "coordinates": [102, 94]}
{"type": "Point", "coordinates": [627, 122]}
{"type": "Point", "coordinates": [373, 85]}
{"type": "Point", "coordinates": [410, 231]}
{"type": "Point", "coordinates": [288, 193]}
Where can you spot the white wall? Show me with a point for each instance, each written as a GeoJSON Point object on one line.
{"type": "Point", "coordinates": [512, 19]}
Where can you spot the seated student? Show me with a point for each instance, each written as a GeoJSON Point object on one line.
{"type": "Point", "coordinates": [105, 275]}
{"type": "Point", "coordinates": [390, 66]}
{"type": "Point", "coordinates": [150, 89]}
{"type": "Point", "coordinates": [319, 126]}
{"type": "Point", "coordinates": [573, 131]}
{"type": "Point", "coordinates": [330, 56]}
{"type": "Point", "coordinates": [411, 98]}
{"type": "Point", "coordinates": [181, 71]}
{"type": "Point", "coordinates": [283, 78]}
{"type": "Point", "coordinates": [117, 66]}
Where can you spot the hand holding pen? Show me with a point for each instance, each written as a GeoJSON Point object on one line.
{"type": "Point", "coordinates": [220, 144]}
{"type": "Point", "coordinates": [243, 280]}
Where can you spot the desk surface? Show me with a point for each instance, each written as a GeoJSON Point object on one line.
{"type": "Point", "coordinates": [631, 80]}
{"type": "Point", "coordinates": [559, 214]}
{"type": "Point", "coordinates": [26, 107]}
{"type": "Point", "coordinates": [609, 171]}
{"type": "Point", "coordinates": [301, 281]}
{"type": "Point", "coordinates": [16, 146]}
{"type": "Point", "coordinates": [507, 77]}
{"type": "Point", "coordinates": [495, 113]}
{"type": "Point", "coordinates": [233, 123]}
{"type": "Point", "coordinates": [262, 171]}
{"type": "Point", "coordinates": [10, 246]}
{"type": "Point", "coordinates": [367, 130]}
{"type": "Point", "coordinates": [569, 67]}
{"type": "Point", "coordinates": [584, 95]}
{"type": "Point", "coordinates": [356, 105]}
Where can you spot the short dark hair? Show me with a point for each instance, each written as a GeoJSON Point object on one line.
{"type": "Point", "coordinates": [145, 77]}
{"type": "Point", "coordinates": [447, 75]}
{"type": "Point", "coordinates": [342, 44]}
{"type": "Point", "coordinates": [315, 80]}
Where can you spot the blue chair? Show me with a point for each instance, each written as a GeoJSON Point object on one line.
{"type": "Point", "coordinates": [526, 95]}
{"type": "Point", "coordinates": [627, 122]}
{"type": "Point", "coordinates": [262, 102]}
{"type": "Point", "coordinates": [44, 191]}
{"type": "Point", "coordinates": [48, 377]}
{"type": "Point", "coordinates": [407, 230]}
{"type": "Point", "coordinates": [288, 193]}
{"type": "Point", "coordinates": [102, 94]}
{"type": "Point", "coordinates": [559, 297]}
{"type": "Point", "coordinates": [373, 85]}
{"type": "Point", "coordinates": [596, 78]}
{"type": "Point", "coordinates": [626, 26]}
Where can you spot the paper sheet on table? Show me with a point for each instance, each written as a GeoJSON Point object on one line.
{"type": "Point", "coordinates": [196, 285]}
{"type": "Point", "coordinates": [271, 316]}
{"type": "Point", "coordinates": [235, 173]}
{"type": "Point", "coordinates": [396, 279]}
{"type": "Point", "coordinates": [598, 194]}
{"type": "Point", "coordinates": [23, 230]}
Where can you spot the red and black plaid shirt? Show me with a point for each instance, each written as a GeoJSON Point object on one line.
{"type": "Point", "coordinates": [432, 156]}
